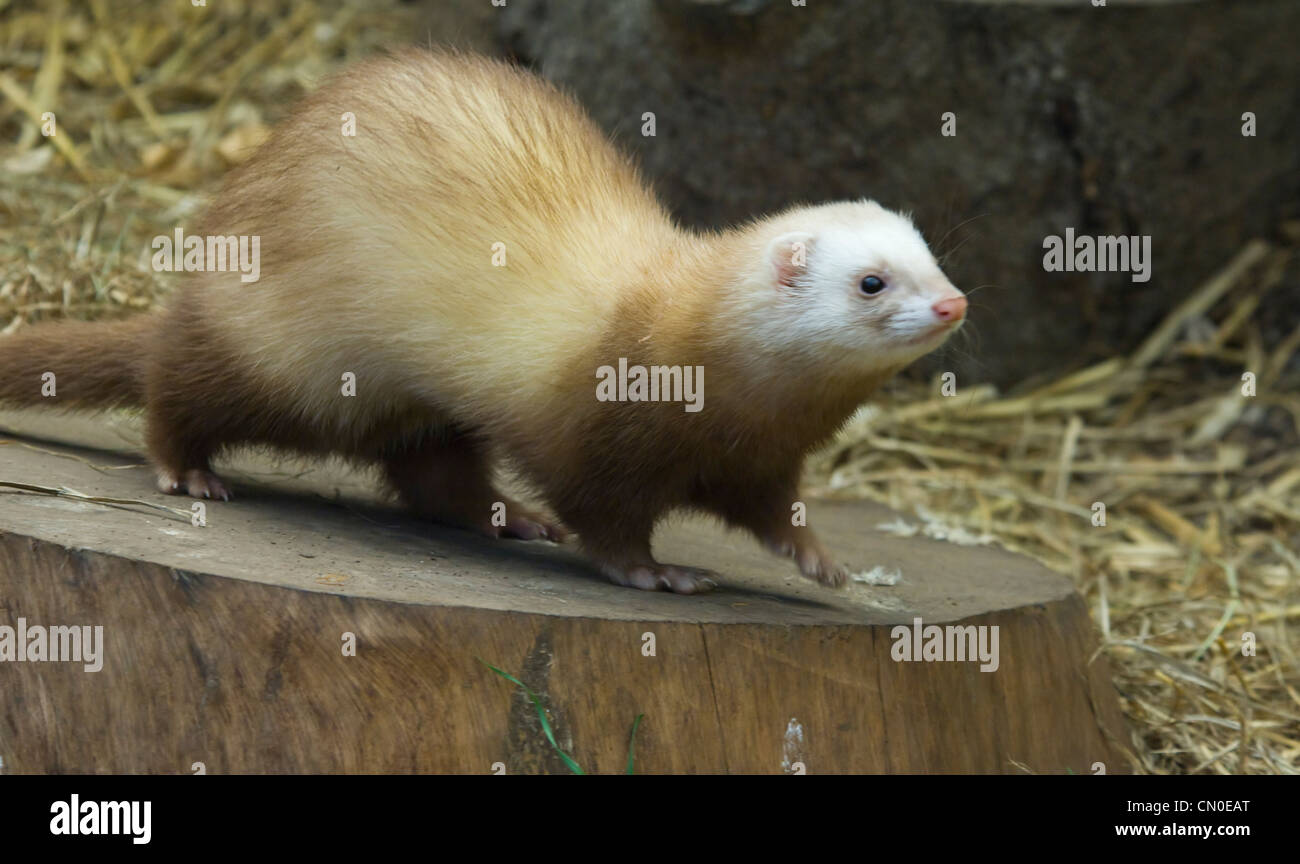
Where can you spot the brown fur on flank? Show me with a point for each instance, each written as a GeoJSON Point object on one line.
{"type": "Point", "coordinates": [378, 260]}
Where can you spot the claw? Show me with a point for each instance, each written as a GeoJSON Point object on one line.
{"type": "Point", "coordinates": [197, 483]}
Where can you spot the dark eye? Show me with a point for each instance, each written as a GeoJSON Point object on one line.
{"type": "Point", "coordinates": [872, 285]}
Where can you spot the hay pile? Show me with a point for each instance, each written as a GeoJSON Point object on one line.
{"type": "Point", "coordinates": [1200, 484]}
{"type": "Point", "coordinates": [152, 103]}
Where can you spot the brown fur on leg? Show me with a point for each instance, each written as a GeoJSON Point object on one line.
{"type": "Point", "coordinates": [446, 478]}
{"type": "Point", "coordinates": [181, 451]}
{"type": "Point", "coordinates": [616, 536]}
{"type": "Point", "coordinates": [767, 513]}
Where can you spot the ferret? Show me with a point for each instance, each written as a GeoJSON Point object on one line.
{"type": "Point", "coordinates": [472, 254]}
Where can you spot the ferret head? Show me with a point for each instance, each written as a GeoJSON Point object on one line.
{"type": "Point", "coordinates": [853, 279]}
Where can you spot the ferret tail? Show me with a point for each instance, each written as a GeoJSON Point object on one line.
{"type": "Point", "coordinates": [77, 364]}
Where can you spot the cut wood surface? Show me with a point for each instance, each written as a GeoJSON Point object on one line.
{"type": "Point", "coordinates": [223, 644]}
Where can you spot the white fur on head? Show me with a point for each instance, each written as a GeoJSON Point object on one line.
{"type": "Point", "coordinates": [809, 292]}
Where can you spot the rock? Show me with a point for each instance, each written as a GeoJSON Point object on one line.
{"type": "Point", "coordinates": [1112, 121]}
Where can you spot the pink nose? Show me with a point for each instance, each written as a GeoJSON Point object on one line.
{"type": "Point", "coordinates": [952, 309]}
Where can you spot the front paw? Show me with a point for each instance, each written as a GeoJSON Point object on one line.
{"type": "Point", "coordinates": [814, 561]}
{"type": "Point", "coordinates": [818, 565]}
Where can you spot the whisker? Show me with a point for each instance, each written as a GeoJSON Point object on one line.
{"type": "Point", "coordinates": [939, 244]}
{"type": "Point", "coordinates": [953, 251]}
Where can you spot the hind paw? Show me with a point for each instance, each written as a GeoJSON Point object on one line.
{"type": "Point", "coordinates": [662, 577]}
{"type": "Point", "coordinates": [196, 482]}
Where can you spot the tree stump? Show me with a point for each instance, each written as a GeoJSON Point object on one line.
{"type": "Point", "coordinates": [223, 645]}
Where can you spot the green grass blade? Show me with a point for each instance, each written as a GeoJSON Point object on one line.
{"type": "Point", "coordinates": [541, 715]}
{"type": "Point", "coordinates": [631, 745]}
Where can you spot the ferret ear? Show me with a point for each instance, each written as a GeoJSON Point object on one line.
{"type": "Point", "coordinates": [788, 256]}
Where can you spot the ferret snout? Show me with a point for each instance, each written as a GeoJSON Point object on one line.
{"type": "Point", "coordinates": [951, 309]}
